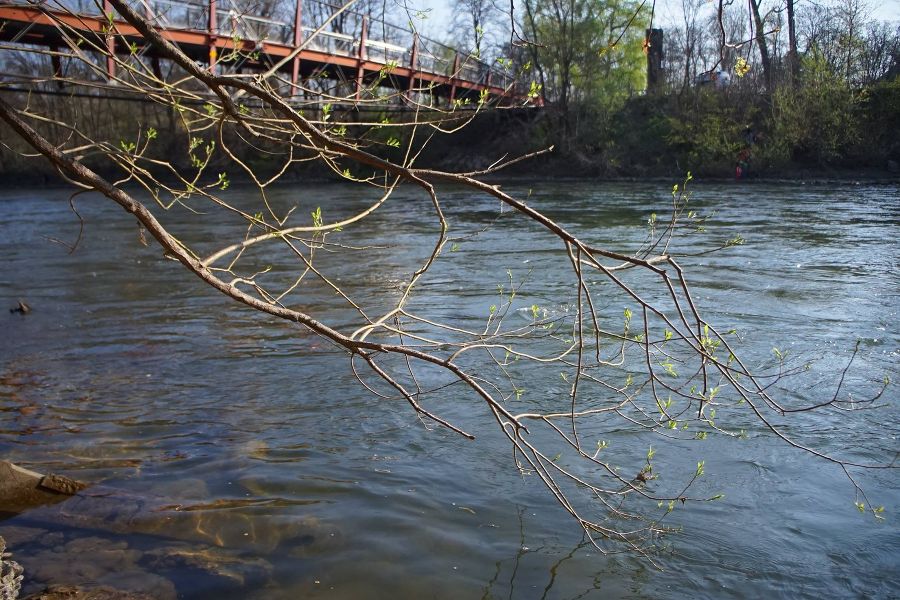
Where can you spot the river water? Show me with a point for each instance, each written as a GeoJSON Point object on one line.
{"type": "Point", "coordinates": [237, 457]}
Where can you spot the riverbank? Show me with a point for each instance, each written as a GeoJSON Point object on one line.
{"type": "Point", "coordinates": [539, 169]}
{"type": "Point", "coordinates": [713, 135]}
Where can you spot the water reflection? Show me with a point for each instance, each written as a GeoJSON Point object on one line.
{"type": "Point", "coordinates": [494, 589]}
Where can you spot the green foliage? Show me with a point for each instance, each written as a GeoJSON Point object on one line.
{"type": "Point", "coordinates": [879, 109]}
{"type": "Point", "coordinates": [817, 121]}
{"type": "Point", "coordinates": [704, 133]}
{"type": "Point", "coordinates": [590, 59]}
{"type": "Point", "coordinates": [317, 217]}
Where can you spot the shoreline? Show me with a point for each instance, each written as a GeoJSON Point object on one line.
{"type": "Point", "coordinates": [809, 178]}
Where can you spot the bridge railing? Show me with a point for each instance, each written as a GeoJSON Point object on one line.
{"type": "Point", "coordinates": [384, 42]}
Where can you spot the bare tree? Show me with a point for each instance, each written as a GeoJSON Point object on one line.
{"type": "Point", "coordinates": [630, 350]}
{"type": "Point", "coordinates": [687, 53]}
{"type": "Point", "coordinates": [881, 52]}
{"type": "Point", "coordinates": [475, 22]}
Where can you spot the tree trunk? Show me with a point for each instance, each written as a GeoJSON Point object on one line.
{"type": "Point", "coordinates": [763, 46]}
{"type": "Point", "coordinates": [793, 57]}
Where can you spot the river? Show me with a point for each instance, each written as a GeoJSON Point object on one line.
{"type": "Point", "coordinates": [247, 462]}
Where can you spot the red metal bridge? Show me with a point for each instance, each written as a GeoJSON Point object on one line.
{"type": "Point", "coordinates": [360, 51]}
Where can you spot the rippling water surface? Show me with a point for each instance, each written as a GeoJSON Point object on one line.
{"type": "Point", "coordinates": [236, 457]}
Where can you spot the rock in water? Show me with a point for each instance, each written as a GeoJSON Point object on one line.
{"type": "Point", "coordinates": [21, 308]}
{"type": "Point", "coordinates": [21, 489]}
{"type": "Point", "coordinates": [62, 485]}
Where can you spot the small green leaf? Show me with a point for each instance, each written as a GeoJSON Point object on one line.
{"type": "Point", "coordinates": [317, 217]}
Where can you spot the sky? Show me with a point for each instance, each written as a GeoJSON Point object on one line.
{"type": "Point", "coordinates": [440, 13]}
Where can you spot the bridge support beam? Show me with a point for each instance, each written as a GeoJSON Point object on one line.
{"type": "Point", "coordinates": [298, 39]}
{"type": "Point", "coordinates": [413, 64]}
{"type": "Point", "coordinates": [154, 60]}
{"type": "Point", "coordinates": [453, 76]}
{"type": "Point", "coordinates": [56, 63]}
{"type": "Point", "coordinates": [212, 26]}
{"type": "Point", "coordinates": [361, 58]}
{"type": "Point", "coordinates": [110, 42]}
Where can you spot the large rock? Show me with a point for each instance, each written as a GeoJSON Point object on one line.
{"type": "Point", "coordinates": [21, 489]}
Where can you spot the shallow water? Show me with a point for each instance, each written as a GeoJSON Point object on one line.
{"type": "Point", "coordinates": [235, 457]}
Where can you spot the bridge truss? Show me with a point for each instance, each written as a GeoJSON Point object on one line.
{"type": "Point", "coordinates": [355, 52]}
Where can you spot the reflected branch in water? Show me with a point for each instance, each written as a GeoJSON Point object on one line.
{"type": "Point", "coordinates": [522, 551]}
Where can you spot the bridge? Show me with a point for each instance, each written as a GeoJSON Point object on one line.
{"type": "Point", "coordinates": [308, 46]}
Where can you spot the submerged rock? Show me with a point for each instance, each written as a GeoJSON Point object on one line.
{"type": "Point", "coordinates": [235, 570]}
{"type": "Point", "coordinates": [218, 539]}
{"type": "Point", "coordinates": [17, 536]}
{"type": "Point", "coordinates": [71, 592]}
{"type": "Point", "coordinates": [85, 562]}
